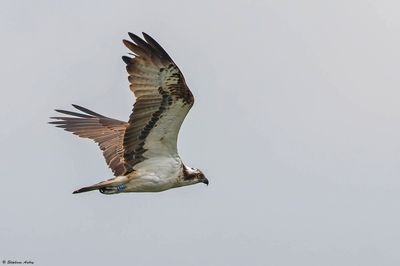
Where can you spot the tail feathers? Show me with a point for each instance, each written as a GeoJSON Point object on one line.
{"type": "Point", "coordinates": [85, 189]}
{"type": "Point", "coordinates": [111, 186]}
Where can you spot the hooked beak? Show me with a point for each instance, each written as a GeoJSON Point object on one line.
{"type": "Point", "coordinates": [205, 181]}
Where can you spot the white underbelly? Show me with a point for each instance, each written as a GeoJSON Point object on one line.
{"type": "Point", "coordinates": [148, 184]}
{"type": "Point", "coordinates": [155, 174]}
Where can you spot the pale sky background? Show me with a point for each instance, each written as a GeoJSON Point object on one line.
{"type": "Point", "coordinates": [296, 125]}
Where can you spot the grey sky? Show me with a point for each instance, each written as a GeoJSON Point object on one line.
{"type": "Point", "coordinates": [296, 125]}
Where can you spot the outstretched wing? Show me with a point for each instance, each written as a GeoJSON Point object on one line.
{"type": "Point", "coordinates": [108, 133]}
{"type": "Point", "coordinates": [162, 102]}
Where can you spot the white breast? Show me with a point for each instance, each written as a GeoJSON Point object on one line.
{"type": "Point", "coordinates": [155, 174]}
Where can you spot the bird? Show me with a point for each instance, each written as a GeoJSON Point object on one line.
{"type": "Point", "coordinates": [142, 153]}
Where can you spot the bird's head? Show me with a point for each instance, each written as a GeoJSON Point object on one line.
{"type": "Point", "coordinates": [193, 176]}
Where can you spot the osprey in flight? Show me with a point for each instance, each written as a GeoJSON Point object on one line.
{"type": "Point", "coordinates": [142, 153]}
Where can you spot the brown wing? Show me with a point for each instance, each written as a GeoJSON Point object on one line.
{"type": "Point", "coordinates": [162, 102]}
{"type": "Point", "coordinates": [108, 133]}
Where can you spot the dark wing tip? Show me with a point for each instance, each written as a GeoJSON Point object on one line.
{"type": "Point", "coordinates": [145, 46]}
{"type": "Point", "coordinates": [127, 60]}
{"type": "Point", "coordinates": [126, 42]}
{"type": "Point", "coordinates": [137, 48]}
{"type": "Point", "coordinates": [153, 43]}
{"type": "Point", "coordinates": [139, 41]}
{"type": "Point", "coordinates": [72, 113]}
{"type": "Point", "coordinates": [87, 111]}
{"type": "Point", "coordinates": [134, 37]}
{"type": "Point", "coordinates": [54, 122]}
{"type": "Point", "coordinates": [145, 35]}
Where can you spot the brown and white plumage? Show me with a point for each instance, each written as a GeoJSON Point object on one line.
{"type": "Point", "coordinates": [142, 152]}
{"type": "Point", "coordinates": [108, 133]}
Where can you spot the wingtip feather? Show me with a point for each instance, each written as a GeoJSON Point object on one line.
{"type": "Point", "coordinates": [133, 36]}
{"type": "Point", "coordinates": [127, 59]}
